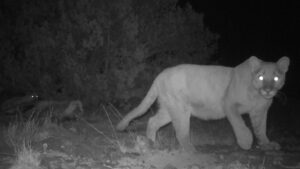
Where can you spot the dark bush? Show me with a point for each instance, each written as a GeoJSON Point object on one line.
{"type": "Point", "coordinates": [97, 51]}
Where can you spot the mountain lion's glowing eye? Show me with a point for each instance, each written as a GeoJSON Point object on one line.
{"type": "Point", "coordinates": [261, 78]}
{"type": "Point", "coordinates": [276, 78]}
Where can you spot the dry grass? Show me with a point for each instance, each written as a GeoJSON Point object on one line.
{"type": "Point", "coordinates": [137, 144]}
{"type": "Point", "coordinates": [27, 158]}
{"type": "Point", "coordinates": [19, 133]}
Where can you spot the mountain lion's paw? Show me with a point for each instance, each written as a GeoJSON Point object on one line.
{"type": "Point", "coordinates": [245, 141]}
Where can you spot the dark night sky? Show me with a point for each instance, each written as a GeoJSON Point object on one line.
{"type": "Point", "coordinates": [264, 29]}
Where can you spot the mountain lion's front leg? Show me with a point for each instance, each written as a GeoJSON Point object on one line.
{"type": "Point", "coordinates": [242, 132]}
{"type": "Point", "coordinates": [259, 123]}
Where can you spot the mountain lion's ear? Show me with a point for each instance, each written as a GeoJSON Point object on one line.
{"type": "Point", "coordinates": [283, 64]}
{"type": "Point", "coordinates": [255, 63]}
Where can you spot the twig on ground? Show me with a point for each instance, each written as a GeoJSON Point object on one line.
{"type": "Point", "coordinates": [97, 130]}
{"type": "Point", "coordinates": [111, 124]}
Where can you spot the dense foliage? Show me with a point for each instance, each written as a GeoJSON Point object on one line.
{"type": "Point", "coordinates": [97, 51]}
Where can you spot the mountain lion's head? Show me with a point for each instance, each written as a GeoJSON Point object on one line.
{"type": "Point", "coordinates": [268, 77]}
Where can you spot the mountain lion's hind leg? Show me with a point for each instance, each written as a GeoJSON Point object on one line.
{"type": "Point", "coordinates": [157, 121]}
{"type": "Point", "coordinates": [181, 122]}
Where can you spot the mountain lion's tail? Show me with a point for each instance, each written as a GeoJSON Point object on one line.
{"type": "Point", "coordinates": [141, 108]}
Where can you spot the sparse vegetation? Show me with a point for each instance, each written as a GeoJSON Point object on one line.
{"type": "Point", "coordinates": [96, 145]}
{"type": "Point", "coordinates": [19, 136]}
{"type": "Point", "coordinates": [27, 158]}
{"type": "Point", "coordinates": [19, 133]}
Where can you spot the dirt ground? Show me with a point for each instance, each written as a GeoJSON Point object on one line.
{"type": "Point", "coordinates": [92, 143]}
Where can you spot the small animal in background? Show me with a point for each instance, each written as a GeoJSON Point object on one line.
{"type": "Point", "coordinates": [58, 111]}
{"type": "Point", "coordinates": [18, 104]}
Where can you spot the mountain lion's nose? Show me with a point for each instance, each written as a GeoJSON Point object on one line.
{"type": "Point", "coordinates": [267, 89]}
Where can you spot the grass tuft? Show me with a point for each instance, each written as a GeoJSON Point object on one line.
{"type": "Point", "coordinates": [27, 158]}
{"type": "Point", "coordinates": [19, 133]}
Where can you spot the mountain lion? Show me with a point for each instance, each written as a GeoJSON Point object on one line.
{"type": "Point", "coordinates": [214, 92]}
